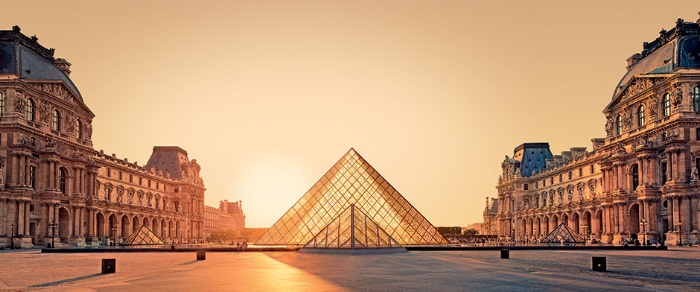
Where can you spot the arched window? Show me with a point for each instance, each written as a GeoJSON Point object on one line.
{"type": "Point", "coordinates": [635, 177]}
{"type": "Point", "coordinates": [666, 103]}
{"type": "Point", "coordinates": [56, 120]}
{"type": "Point", "coordinates": [62, 180]}
{"type": "Point", "coordinates": [79, 129]}
{"type": "Point", "coordinates": [2, 103]}
{"type": "Point", "coordinates": [29, 111]}
{"type": "Point", "coordinates": [619, 125]}
{"type": "Point", "coordinates": [696, 98]}
{"type": "Point", "coordinates": [640, 116]}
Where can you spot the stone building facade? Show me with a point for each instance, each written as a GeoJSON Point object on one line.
{"type": "Point", "coordinates": [228, 217]}
{"type": "Point", "coordinates": [53, 184]}
{"type": "Point", "coordinates": [641, 180]}
{"type": "Point", "coordinates": [491, 223]}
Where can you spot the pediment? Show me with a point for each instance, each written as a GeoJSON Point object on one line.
{"type": "Point", "coordinates": [59, 90]}
{"type": "Point", "coordinates": [638, 84]}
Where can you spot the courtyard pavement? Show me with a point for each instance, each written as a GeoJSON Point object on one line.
{"type": "Point", "coordinates": [677, 269]}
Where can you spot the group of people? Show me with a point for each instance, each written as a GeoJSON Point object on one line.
{"type": "Point", "coordinates": [241, 247]}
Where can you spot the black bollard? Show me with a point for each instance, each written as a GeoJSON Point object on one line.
{"type": "Point", "coordinates": [599, 264]}
{"type": "Point", "coordinates": [109, 266]}
{"type": "Point", "coordinates": [505, 253]}
{"type": "Point", "coordinates": [201, 256]}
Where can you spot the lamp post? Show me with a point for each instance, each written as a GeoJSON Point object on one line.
{"type": "Point", "coordinates": [585, 233]}
{"type": "Point", "coordinates": [680, 233]}
{"type": "Point", "coordinates": [114, 234]}
{"type": "Point", "coordinates": [53, 226]}
{"type": "Point", "coordinates": [644, 230]}
{"type": "Point", "coordinates": [12, 238]}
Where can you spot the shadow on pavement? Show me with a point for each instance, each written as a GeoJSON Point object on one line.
{"type": "Point", "coordinates": [66, 281]}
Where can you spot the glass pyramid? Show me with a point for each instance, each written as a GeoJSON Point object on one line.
{"type": "Point", "coordinates": [352, 229]}
{"type": "Point", "coordinates": [562, 232]}
{"type": "Point", "coordinates": [352, 181]}
{"type": "Point", "coordinates": [143, 236]}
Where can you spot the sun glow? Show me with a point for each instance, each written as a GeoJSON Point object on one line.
{"type": "Point", "coordinates": [271, 185]}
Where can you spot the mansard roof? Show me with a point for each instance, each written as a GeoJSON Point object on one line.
{"type": "Point", "coordinates": [25, 57]}
{"type": "Point", "coordinates": [678, 48]}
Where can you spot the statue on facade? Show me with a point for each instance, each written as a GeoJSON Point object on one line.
{"type": "Point", "coordinates": [609, 125]}
{"type": "Point", "coordinates": [695, 174]}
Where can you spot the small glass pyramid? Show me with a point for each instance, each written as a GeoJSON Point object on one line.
{"type": "Point", "coordinates": [352, 229]}
{"type": "Point", "coordinates": [352, 181]}
{"type": "Point", "coordinates": [562, 232]}
{"type": "Point", "coordinates": [143, 236]}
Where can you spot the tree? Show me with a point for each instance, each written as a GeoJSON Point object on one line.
{"type": "Point", "coordinates": [470, 233]}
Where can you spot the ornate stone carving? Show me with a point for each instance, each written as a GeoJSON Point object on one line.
{"type": "Point", "coordinates": [676, 95]}
{"type": "Point", "coordinates": [652, 105]}
{"type": "Point", "coordinates": [71, 124]}
{"type": "Point", "coordinates": [20, 103]}
{"type": "Point", "coordinates": [44, 112]}
{"type": "Point", "coordinates": [627, 117]}
{"type": "Point", "coordinates": [609, 125]}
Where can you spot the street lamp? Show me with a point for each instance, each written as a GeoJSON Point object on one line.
{"type": "Point", "coordinates": [114, 232]}
{"type": "Point", "coordinates": [644, 230]}
{"type": "Point", "coordinates": [680, 233]}
{"type": "Point", "coordinates": [585, 233]}
{"type": "Point", "coordinates": [12, 238]}
{"type": "Point", "coordinates": [53, 226]}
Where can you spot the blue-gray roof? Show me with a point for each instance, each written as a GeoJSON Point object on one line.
{"type": "Point", "coordinates": [24, 57]}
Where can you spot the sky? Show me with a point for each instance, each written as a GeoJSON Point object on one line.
{"type": "Point", "coordinates": [268, 95]}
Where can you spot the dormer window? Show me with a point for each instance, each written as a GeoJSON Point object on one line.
{"type": "Point", "coordinates": [640, 116]}
{"type": "Point", "coordinates": [666, 103]}
{"type": "Point", "coordinates": [56, 120]}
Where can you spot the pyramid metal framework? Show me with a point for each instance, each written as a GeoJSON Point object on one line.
{"type": "Point", "coordinates": [352, 181]}
{"type": "Point", "coordinates": [352, 229]}
{"type": "Point", "coordinates": [143, 236]}
{"type": "Point", "coordinates": [562, 232]}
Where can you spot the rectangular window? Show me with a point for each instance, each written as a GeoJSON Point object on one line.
{"type": "Point", "coordinates": [109, 172]}
{"type": "Point", "coordinates": [524, 188]}
{"type": "Point", "coordinates": [697, 134]}
{"type": "Point", "coordinates": [663, 173]}
{"type": "Point", "coordinates": [32, 176]}
{"type": "Point", "coordinates": [551, 180]}
{"type": "Point", "coordinates": [580, 172]}
{"type": "Point", "coordinates": [131, 178]}
{"type": "Point", "coordinates": [177, 190]}
{"type": "Point", "coordinates": [149, 183]}
{"type": "Point", "coordinates": [140, 181]}
{"type": "Point", "coordinates": [544, 183]}
{"type": "Point", "coordinates": [120, 175]}
{"type": "Point", "coordinates": [569, 175]}
{"type": "Point", "coordinates": [592, 169]}
{"type": "Point", "coordinates": [536, 185]}
{"type": "Point", "coordinates": [560, 176]}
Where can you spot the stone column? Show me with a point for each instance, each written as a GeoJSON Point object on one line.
{"type": "Point", "coordinates": [641, 172]}
{"type": "Point", "coordinates": [676, 212]}
{"type": "Point", "coordinates": [671, 210]}
{"type": "Point", "coordinates": [651, 218]}
{"type": "Point", "coordinates": [652, 172]}
{"type": "Point", "coordinates": [22, 170]}
{"type": "Point", "coordinates": [3, 217]}
{"type": "Point", "coordinates": [680, 162]}
{"type": "Point", "coordinates": [687, 221]}
{"type": "Point", "coordinates": [20, 217]}
{"type": "Point", "coordinates": [26, 217]}
{"type": "Point", "coordinates": [49, 217]}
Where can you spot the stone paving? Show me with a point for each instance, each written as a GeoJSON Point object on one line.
{"type": "Point", "coordinates": [526, 270]}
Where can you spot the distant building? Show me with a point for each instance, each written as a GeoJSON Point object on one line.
{"type": "Point", "coordinates": [490, 224]}
{"type": "Point", "coordinates": [641, 181]}
{"type": "Point", "coordinates": [229, 217]}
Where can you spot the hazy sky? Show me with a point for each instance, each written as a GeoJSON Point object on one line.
{"type": "Point", "coordinates": [268, 95]}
